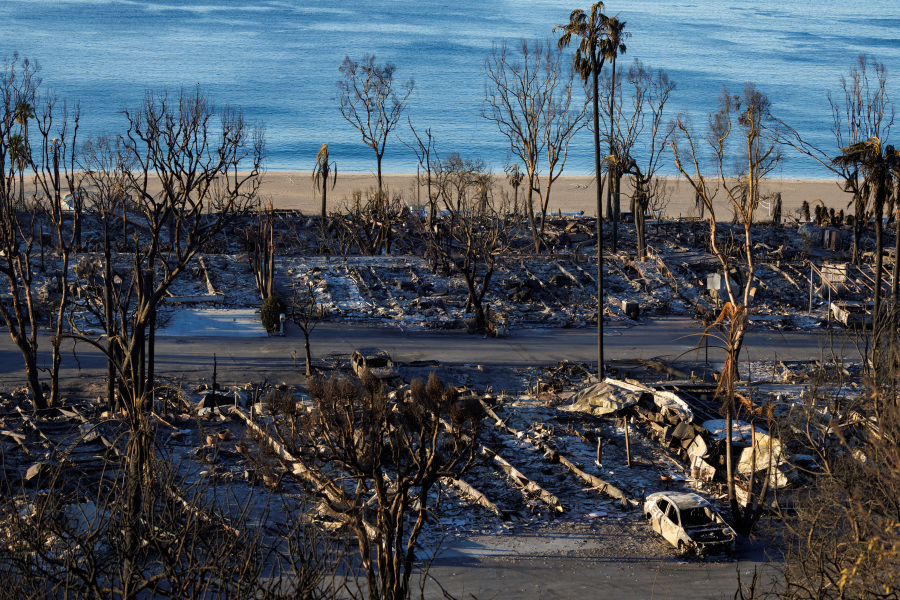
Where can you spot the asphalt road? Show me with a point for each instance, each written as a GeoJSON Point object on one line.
{"type": "Point", "coordinates": [674, 339]}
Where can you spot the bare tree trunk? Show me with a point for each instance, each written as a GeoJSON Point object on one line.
{"type": "Point", "coordinates": [532, 219]}
{"type": "Point", "coordinates": [308, 353]}
{"type": "Point", "coordinates": [598, 163]}
{"type": "Point", "coordinates": [151, 348]}
{"type": "Point", "coordinates": [137, 457]}
{"type": "Point", "coordinates": [109, 316]}
{"type": "Point", "coordinates": [76, 220]}
{"type": "Point", "coordinates": [879, 264]}
{"type": "Point", "coordinates": [638, 209]}
{"type": "Point", "coordinates": [55, 355]}
{"type": "Point", "coordinates": [895, 274]}
{"type": "Point", "coordinates": [31, 373]}
{"type": "Point", "coordinates": [616, 207]}
{"type": "Point", "coordinates": [858, 228]}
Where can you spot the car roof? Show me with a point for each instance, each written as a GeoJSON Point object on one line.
{"type": "Point", "coordinates": [681, 499]}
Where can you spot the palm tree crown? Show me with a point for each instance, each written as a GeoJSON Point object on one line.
{"type": "Point", "coordinates": [591, 30]}
{"type": "Point", "coordinates": [24, 111]}
{"type": "Point", "coordinates": [613, 42]}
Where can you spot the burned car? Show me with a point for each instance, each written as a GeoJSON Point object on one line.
{"type": "Point", "coordinates": [688, 522]}
{"type": "Point", "coordinates": [377, 362]}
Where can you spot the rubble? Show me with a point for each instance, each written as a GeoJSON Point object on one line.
{"type": "Point", "coordinates": [554, 290]}
{"type": "Point", "coordinates": [563, 447]}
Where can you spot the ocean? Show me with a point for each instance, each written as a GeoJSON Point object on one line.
{"type": "Point", "coordinates": [278, 62]}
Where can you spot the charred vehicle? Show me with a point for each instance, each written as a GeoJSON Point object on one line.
{"type": "Point", "coordinates": [689, 523]}
{"type": "Point", "coordinates": [377, 362]}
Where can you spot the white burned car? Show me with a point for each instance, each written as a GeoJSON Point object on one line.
{"type": "Point", "coordinates": [688, 522]}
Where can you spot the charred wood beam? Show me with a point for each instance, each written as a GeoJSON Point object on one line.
{"type": "Point", "coordinates": [604, 487]}
{"type": "Point", "coordinates": [530, 487]}
{"type": "Point", "coordinates": [475, 495]}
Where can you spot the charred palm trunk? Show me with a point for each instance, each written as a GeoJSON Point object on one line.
{"type": "Point", "coordinates": [617, 208]}
{"type": "Point", "coordinates": [858, 227]}
{"type": "Point", "coordinates": [613, 156]}
{"type": "Point", "coordinates": [598, 163]}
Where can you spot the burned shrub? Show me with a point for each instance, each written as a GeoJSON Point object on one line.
{"type": "Point", "coordinates": [395, 453]}
{"type": "Point", "coordinates": [280, 402]}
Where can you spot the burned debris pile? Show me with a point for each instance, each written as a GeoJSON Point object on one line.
{"type": "Point", "coordinates": [803, 278]}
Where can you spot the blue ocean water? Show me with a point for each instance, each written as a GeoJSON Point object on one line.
{"type": "Point", "coordinates": [279, 61]}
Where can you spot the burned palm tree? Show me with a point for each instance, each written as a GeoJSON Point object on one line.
{"type": "Point", "coordinates": [589, 60]}
{"type": "Point", "coordinates": [875, 164]}
{"type": "Point", "coordinates": [325, 168]}
{"type": "Point", "coordinates": [611, 46]}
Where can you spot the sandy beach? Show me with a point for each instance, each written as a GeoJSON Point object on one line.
{"type": "Point", "coordinates": [294, 190]}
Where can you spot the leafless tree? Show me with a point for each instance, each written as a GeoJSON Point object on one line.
{"type": "Point", "coordinates": [529, 98]}
{"type": "Point", "coordinates": [390, 456]}
{"type": "Point", "coordinates": [471, 236]}
{"type": "Point", "coordinates": [54, 175]}
{"type": "Point", "coordinates": [371, 103]}
{"type": "Point", "coordinates": [643, 134]}
{"type": "Point", "coordinates": [194, 153]}
{"type": "Point", "coordinates": [428, 160]}
{"type": "Point", "coordinates": [305, 314]}
{"type": "Point", "coordinates": [106, 168]}
{"type": "Point", "coordinates": [743, 117]}
{"type": "Point", "coordinates": [18, 86]}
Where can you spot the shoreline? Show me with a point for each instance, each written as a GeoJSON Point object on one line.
{"type": "Point", "coordinates": [570, 193]}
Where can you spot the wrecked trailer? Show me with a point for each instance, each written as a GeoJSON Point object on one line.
{"type": "Point", "coordinates": [689, 523]}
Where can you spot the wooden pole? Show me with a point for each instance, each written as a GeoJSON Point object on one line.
{"type": "Point", "coordinates": [627, 445]}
